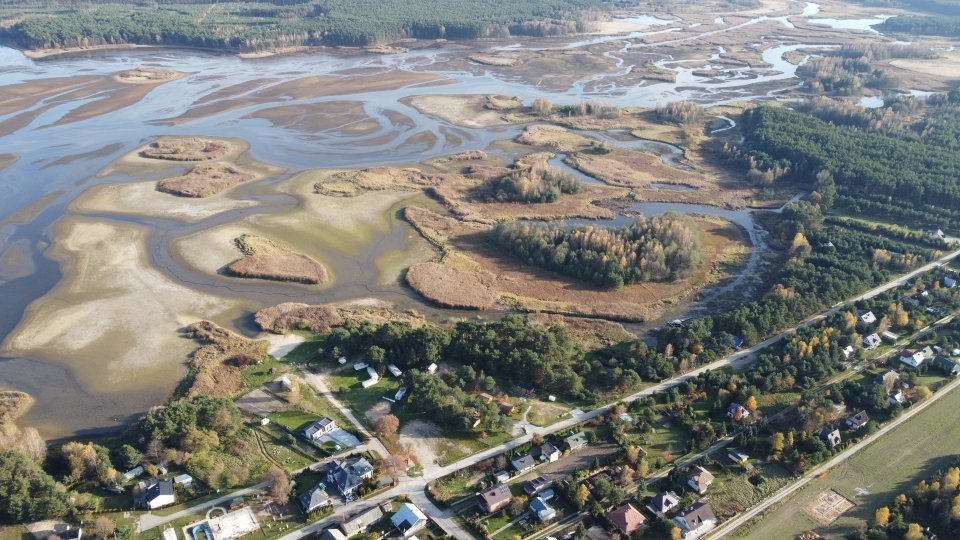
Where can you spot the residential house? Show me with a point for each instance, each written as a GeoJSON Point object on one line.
{"type": "Point", "coordinates": [626, 518]}
{"type": "Point", "coordinates": [394, 370]}
{"type": "Point", "coordinates": [830, 435]}
{"type": "Point", "coordinates": [847, 352]}
{"type": "Point", "coordinates": [487, 398]}
{"type": "Point", "coordinates": [937, 234]}
{"type": "Point", "coordinates": [408, 519]}
{"type": "Point", "coordinates": [184, 480]}
{"type": "Point", "coordinates": [928, 353]}
{"type": "Point", "coordinates": [318, 429]}
{"type": "Point", "coordinates": [315, 499]}
{"type": "Point", "coordinates": [506, 408]}
{"type": "Point", "coordinates": [495, 498]}
{"type": "Point", "coordinates": [663, 502]}
{"type": "Point", "coordinates": [911, 358]}
{"type": "Point", "coordinates": [888, 380]}
{"type": "Point", "coordinates": [858, 420]}
{"type": "Point", "coordinates": [739, 457]}
{"type": "Point", "coordinates": [332, 534]}
{"type": "Point", "coordinates": [362, 521]}
{"type": "Point", "coordinates": [947, 366]}
{"type": "Point", "coordinates": [867, 317]}
{"type": "Point", "coordinates": [872, 341]}
{"type": "Point", "coordinates": [523, 463]}
{"type": "Point", "coordinates": [542, 510]}
{"type": "Point", "coordinates": [696, 520]}
{"type": "Point", "coordinates": [372, 378]}
{"type": "Point", "coordinates": [158, 493]}
{"type": "Point", "coordinates": [547, 452]}
{"type": "Point", "coordinates": [575, 441]}
{"type": "Point", "coordinates": [949, 282]}
{"type": "Point", "coordinates": [502, 476]}
{"type": "Point", "coordinates": [737, 412]}
{"type": "Point", "coordinates": [700, 479]}
{"type": "Point", "coordinates": [889, 336]}
{"type": "Point", "coordinates": [348, 475]}
{"type": "Point", "coordinates": [897, 398]}
{"type": "Point", "coordinates": [536, 485]}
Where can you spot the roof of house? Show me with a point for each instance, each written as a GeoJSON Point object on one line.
{"type": "Point", "coordinates": [541, 508]}
{"type": "Point", "coordinates": [332, 534]}
{"type": "Point", "coordinates": [828, 431]}
{"type": "Point", "coordinates": [860, 418]}
{"type": "Point", "coordinates": [523, 461]}
{"type": "Point", "coordinates": [547, 449]}
{"type": "Point", "coordinates": [536, 485]}
{"type": "Point", "coordinates": [664, 501]}
{"type": "Point", "coordinates": [577, 439]}
{"type": "Point", "coordinates": [701, 477]}
{"type": "Point", "coordinates": [182, 479]}
{"type": "Point", "coordinates": [362, 520]}
{"type": "Point", "coordinates": [944, 362]}
{"type": "Point", "coordinates": [320, 425]}
{"type": "Point", "coordinates": [348, 474]}
{"type": "Point", "coordinates": [626, 518]}
{"type": "Point", "coordinates": [159, 489]}
{"type": "Point", "coordinates": [315, 498]}
{"type": "Point", "coordinates": [407, 517]}
{"type": "Point", "coordinates": [695, 514]}
{"type": "Point", "coordinates": [495, 495]}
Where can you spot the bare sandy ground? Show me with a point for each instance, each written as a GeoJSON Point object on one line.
{"type": "Point", "coordinates": [424, 438]}
{"type": "Point", "coordinates": [16, 261]}
{"type": "Point", "coordinates": [465, 110]}
{"type": "Point", "coordinates": [143, 199]}
{"type": "Point", "coordinates": [7, 160]}
{"type": "Point", "coordinates": [947, 66]}
{"type": "Point", "coordinates": [113, 311]}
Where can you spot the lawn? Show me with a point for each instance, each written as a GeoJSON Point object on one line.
{"type": "Point", "coordinates": [294, 420]}
{"type": "Point", "coordinates": [544, 413]}
{"type": "Point", "coordinates": [733, 491]}
{"type": "Point", "coordinates": [456, 486]}
{"type": "Point", "coordinates": [345, 384]}
{"type": "Point", "coordinates": [874, 476]}
{"type": "Point", "coordinates": [665, 443]}
{"type": "Point", "coordinates": [278, 451]}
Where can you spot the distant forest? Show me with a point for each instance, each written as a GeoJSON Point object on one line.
{"type": "Point", "coordinates": [928, 25]}
{"type": "Point", "coordinates": [276, 23]}
{"type": "Point", "coordinates": [917, 180]}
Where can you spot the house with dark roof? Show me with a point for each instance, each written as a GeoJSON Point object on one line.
{"type": "Point", "coordinates": [536, 485]}
{"type": "Point", "coordinates": [626, 518]}
{"type": "Point", "coordinates": [547, 452]}
{"type": "Point", "coordinates": [495, 498]}
{"type": "Point", "coordinates": [947, 366]}
{"type": "Point", "coordinates": [319, 428]}
{"type": "Point", "coordinates": [348, 475]}
{"type": "Point", "coordinates": [663, 502]}
{"type": "Point", "coordinates": [523, 462]}
{"type": "Point", "coordinates": [315, 499]}
{"type": "Point", "coordinates": [575, 441]}
{"type": "Point", "coordinates": [830, 435]}
{"type": "Point", "coordinates": [737, 412]}
{"type": "Point", "coordinates": [408, 519]}
{"type": "Point", "coordinates": [700, 479]}
{"type": "Point", "coordinates": [696, 520]}
{"type": "Point", "coordinates": [858, 420]}
{"type": "Point", "coordinates": [158, 493]}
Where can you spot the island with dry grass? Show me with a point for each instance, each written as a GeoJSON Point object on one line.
{"type": "Point", "coordinates": [186, 149]}
{"type": "Point", "coordinates": [288, 316]}
{"type": "Point", "coordinates": [216, 367]}
{"type": "Point", "coordinates": [205, 180]}
{"type": "Point", "coordinates": [267, 259]}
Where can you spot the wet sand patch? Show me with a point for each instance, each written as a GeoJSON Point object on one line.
{"type": "Point", "coordinates": [461, 110]}
{"type": "Point", "coordinates": [7, 160]}
{"type": "Point", "coordinates": [315, 117]}
{"type": "Point", "coordinates": [143, 199]}
{"type": "Point", "coordinates": [113, 313]}
{"type": "Point", "coordinates": [16, 261]}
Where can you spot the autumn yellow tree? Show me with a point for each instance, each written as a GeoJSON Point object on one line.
{"type": "Point", "coordinates": [643, 468]}
{"type": "Point", "coordinates": [849, 320]}
{"type": "Point", "coordinates": [914, 532]}
{"type": "Point", "coordinates": [951, 479]}
{"type": "Point", "coordinates": [751, 404]}
{"type": "Point", "coordinates": [776, 443]}
{"type": "Point", "coordinates": [955, 508]}
{"type": "Point", "coordinates": [882, 516]}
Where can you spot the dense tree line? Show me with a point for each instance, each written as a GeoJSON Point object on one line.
{"type": "Point", "coordinates": [657, 249]}
{"type": "Point", "coordinates": [251, 26]}
{"type": "Point", "coordinates": [27, 492]}
{"type": "Point", "coordinates": [864, 164]}
{"type": "Point", "coordinates": [922, 24]}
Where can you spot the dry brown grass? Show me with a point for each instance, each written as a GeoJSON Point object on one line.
{"type": "Point", "coordinates": [265, 259]}
{"type": "Point", "coordinates": [205, 180]}
{"type": "Point", "coordinates": [148, 75]}
{"type": "Point", "coordinates": [293, 316]}
{"type": "Point", "coordinates": [185, 149]}
{"type": "Point", "coordinates": [467, 248]}
{"type": "Point", "coordinates": [214, 364]}
{"type": "Point", "coordinates": [462, 110]}
{"type": "Point", "coordinates": [453, 287]}
{"type": "Point", "coordinates": [13, 404]}
{"type": "Point", "coordinates": [553, 137]}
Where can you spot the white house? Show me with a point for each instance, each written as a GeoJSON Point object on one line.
{"type": "Point", "coordinates": [159, 494]}
{"type": "Point", "coordinates": [408, 519]}
{"type": "Point", "coordinates": [543, 511]}
{"type": "Point", "coordinates": [696, 520]}
{"type": "Point", "coordinates": [319, 428]}
{"type": "Point", "coordinates": [847, 352]}
{"type": "Point", "coordinates": [700, 479]}
{"type": "Point", "coordinates": [868, 317]}
{"type": "Point", "coordinates": [373, 379]}
{"type": "Point", "coordinates": [910, 358]}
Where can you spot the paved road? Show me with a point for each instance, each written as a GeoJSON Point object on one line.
{"type": "Point", "coordinates": [732, 525]}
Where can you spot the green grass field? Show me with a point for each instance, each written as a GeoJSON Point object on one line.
{"type": "Point", "coordinates": [872, 477]}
